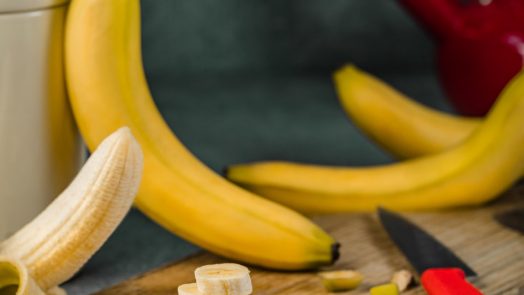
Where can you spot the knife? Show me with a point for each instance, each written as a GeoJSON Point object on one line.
{"type": "Point", "coordinates": [513, 219]}
{"type": "Point", "coordinates": [441, 272]}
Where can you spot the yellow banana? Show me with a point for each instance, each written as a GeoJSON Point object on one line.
{"type": "Point", "coordinates": [50, 249]}
{"type": "Point", "coordinates": [401, 126]}
{"type": "Point", "coordinates": [473, 172]}
{"type": "Point", "coordinates": [108, 89]}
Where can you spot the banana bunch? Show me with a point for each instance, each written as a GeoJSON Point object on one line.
{"type": "Point", "coordinates": [52, 248]}
{"type": "Point", "coordinates": [454, 161]}
{"type": "Point", "coordinates": [108, 89]}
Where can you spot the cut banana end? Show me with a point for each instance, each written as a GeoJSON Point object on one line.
{"type": "Point", "coordinates": [56, 291]}
{"type": "Point", "coordinates": [15, 278]}
{"type": "Point", "coordinates": [402, 279]}
{"type": "Point", "coordinates": [188, 289]}
{"type": "Point", "coordinates": [223, 279]}
{"type": "Point", "coordinates": [387, 289]}
{"type": "Point", "coordinates": [341, 280]}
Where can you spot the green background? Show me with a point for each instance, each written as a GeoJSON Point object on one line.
{"type": "Point", "coordinates": [246, 80]}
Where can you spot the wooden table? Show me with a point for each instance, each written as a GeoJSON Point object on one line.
{"type": "Point", "coordinates": [494, 252]}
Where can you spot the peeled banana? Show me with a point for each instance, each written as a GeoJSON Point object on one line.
{"type": "Point", "coordinates": [50, 249]}
{"type": "Point", "coordinates": [473, 172]}
{"type": "Point", "coordinates": [108, 89]}
{"type": "Point", "coordinates": [223, 279]}
{"type": "Point", "coordinates": [400, 125]}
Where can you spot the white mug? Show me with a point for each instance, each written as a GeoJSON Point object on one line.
{"type": "Point", "coordinates": [40, 148]}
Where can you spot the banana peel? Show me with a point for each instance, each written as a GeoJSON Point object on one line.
{"type": "Point", "coordinates": [15, 278]}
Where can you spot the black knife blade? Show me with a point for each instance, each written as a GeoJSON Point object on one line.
{"type": "Point", "coordinates": [421, 249]}
{"type": "Point", "coordinates": [513, 219]}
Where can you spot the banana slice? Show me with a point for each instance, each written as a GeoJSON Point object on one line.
{"type": "Point", "coordinates": [402, 279]}
{"type": "Point", "coordinates": [188, 289]}
{"type": "Point", "coordinates": [341, 280]}
{"type": "Point", "coordinates": [223, 279]}
{"type": "Point", "coordinates": [387, 289]}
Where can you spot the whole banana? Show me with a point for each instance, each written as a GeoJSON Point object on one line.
{"type": "Point", "coordinates": [401, 126]}
{"type": "Point", "coordinates": [108, 89]}
{"type": "Point", "coordinates": [473, 172]}
{"type": "Point", "coordinates": [50, 249]}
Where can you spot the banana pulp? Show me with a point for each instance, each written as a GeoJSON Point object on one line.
{"type": "Point", "coordinates": [52, 248]}
{"type": "Point", "coordinates": [401, 126]}
{"type": "Point", "coordinates": [108, 90]}
{"type": "Point", "coordinates": [223, 279]}
{"type": "Point", "coordinates": [219, 279]}
{"type": "Point", "coordinates": [472, 172]}
{"type": "Point", "coordinates": [188, 289]}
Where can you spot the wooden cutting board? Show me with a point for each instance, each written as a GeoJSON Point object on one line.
{"type": "Point", "coordinates": [494, 252]}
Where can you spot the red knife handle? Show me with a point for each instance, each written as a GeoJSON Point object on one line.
{"type": "Point", "coordinates": [447, 281]}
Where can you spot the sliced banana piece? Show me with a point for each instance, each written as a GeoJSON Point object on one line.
{"type": "Point", "coordinates": [387, 289]}
{"type": "Point", "coordinates": [188, 289]}
{"type": "Point", "coordinates": [341, 280]}
{"type": "Point", "coordinates": [402, 279]}
{"type": "Point", "coordinates": [224, 279]}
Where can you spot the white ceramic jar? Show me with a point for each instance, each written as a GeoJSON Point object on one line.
{"type": "Point", "coordinates": [40, 149]}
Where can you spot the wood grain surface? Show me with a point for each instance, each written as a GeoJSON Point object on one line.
{"type": "Point", "coordinates": [493, 251]}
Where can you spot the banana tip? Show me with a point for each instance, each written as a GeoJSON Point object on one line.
{"type": "Point", "coordinates": [124, 131]}
{"type": "Point", "coordinates": [335, 252]}
{"type": "Point", "coordinates": [225, 171]}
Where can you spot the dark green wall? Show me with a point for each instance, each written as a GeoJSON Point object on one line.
{"type": "Point", "coordinates": [194, 37]}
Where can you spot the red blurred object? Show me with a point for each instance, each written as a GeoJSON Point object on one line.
{"type": "Point", "coordinates": [480, 47]}
{"type": "Point", "coordinates": [447, 281]}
